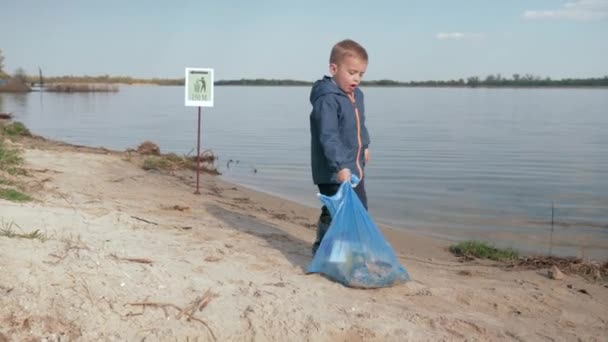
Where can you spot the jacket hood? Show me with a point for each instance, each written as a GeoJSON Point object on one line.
{"type": "Point", "coordinates": [322, 87]}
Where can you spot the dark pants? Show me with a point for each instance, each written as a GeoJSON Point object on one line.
{"type": "Point", "coordinates": [325, 218]}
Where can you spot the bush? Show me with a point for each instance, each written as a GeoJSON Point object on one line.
{"type": "Point", "coordinates": [10, 160]}
{"type": "Point", "coordinates": [16, 129]}
{"type": "Point", "coordinates": [148, 148]}
{"type": "Point", "coordinates": [483, 250]}
{"type": "Point", "coordinates": [14, 195]}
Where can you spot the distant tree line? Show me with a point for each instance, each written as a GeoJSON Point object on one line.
{"type": "Point", "coordinates": [106, 79]}
{"type": "Point", "coordinates": [517, 80]}
{"type": "Point", "coordinates": [262, 82]}
{"type": "Point", "coordinates": [527, 80]}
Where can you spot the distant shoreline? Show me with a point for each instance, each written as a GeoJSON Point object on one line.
{"type": "Point", "coordinates": [425, 86]}
{"type": "Point", "coordinates": [491, 81]}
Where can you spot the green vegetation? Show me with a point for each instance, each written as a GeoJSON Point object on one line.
{"type": "Point", "coordinates": [10, 160]}
{"type": "Point", "coordinates": [482, 250]}
{"type": "Point", "coordinates": [14, 195]}
{"type": "Point", "coordinates": [8, 230]}
{"type": "Point", "coordinates": [10, 164]}
{"type": "Point", "coordinates": [14, 129]}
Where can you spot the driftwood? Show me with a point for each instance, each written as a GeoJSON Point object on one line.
{"type": "Point", "coordinates": [570, 265]}
{"type": "Point", "coordinates": [6, 116]}
{"type": "Point", "coordinates": [198, 305]}
{"type": "Point", "coordinates": [144, 220]}
{"type": "Point", "coordinates": [138, 260]}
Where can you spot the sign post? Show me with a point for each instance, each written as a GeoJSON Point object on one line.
{"type": "Point", "coordinates": [199, 93]}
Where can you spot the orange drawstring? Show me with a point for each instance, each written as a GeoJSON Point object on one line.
{"type": "Point", "coordinates": [352, 100]}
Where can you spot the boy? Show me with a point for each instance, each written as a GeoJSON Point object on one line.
{"type": "Point", "coordinates": [339, 138]}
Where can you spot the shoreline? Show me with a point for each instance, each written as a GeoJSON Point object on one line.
{"type": "Point", "coordinates": [128, 254]}
{"type": "Point", "coordinates": [403, 241]}
{"type": "Point", "coordinates": [528, 242]}
{"type": "Point", "coordinates": [531, 242]}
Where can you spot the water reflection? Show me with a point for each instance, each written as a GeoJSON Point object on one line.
{"type": "Point", "coordinates": [21, 100]}
{"type": "Point", "coordinates": [464, 162]}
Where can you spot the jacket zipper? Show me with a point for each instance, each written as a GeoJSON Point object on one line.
{"type": "Point", "coordinates": [351, 97]}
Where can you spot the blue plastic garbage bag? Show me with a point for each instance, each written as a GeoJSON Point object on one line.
{"type": "Point", "coordinates": [353, 251]}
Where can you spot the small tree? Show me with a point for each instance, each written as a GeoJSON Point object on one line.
{"type": "Point", "coordinates": [1, 64]}
{"type": "Point", "coordinates": [20, 75]}
{"type": "Point", "coordinates": [473, 81]}
{"type": "Point", "coordinates": [516, 77]}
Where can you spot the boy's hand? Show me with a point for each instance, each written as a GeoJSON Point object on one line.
{"type": "Point", "coordinates": [366, 154]}
{"type": "Point", "coordinates": [344, 175]}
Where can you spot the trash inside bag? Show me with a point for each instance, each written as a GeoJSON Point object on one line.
{"type": "Point", "coordinates": [353, 251]}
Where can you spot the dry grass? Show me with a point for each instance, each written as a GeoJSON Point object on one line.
{"type": "Point", "coordinates": [588, 269]}
{"type": "Point", "coordinates": [173, 162]}
{"type": "Point", "coordinates": [81, 88]}
{"type": "Point", "coordinates": [7, 229]}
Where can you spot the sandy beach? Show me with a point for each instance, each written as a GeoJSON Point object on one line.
{"type": "Point", "coordinates": [134, 255]}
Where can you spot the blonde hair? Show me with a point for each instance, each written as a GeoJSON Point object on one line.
{"type": "Point", "coordinates": [347, 48]}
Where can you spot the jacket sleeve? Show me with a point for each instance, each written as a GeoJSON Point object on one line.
{"type": "Point", "coordinates": [365, 138]}
{"type": "Point", "coordinates": [325, 116]}
{"type": "Point", "coordinates": [364, 133]}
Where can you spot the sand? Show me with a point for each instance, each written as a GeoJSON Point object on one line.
{"type": "Point", "coordinates": [133, 255]}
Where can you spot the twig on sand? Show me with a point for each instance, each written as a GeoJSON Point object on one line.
{"type": "Point", "coordinates": [85, 286]}
{"type": "Point", "coordinates": [162, 306]}
{"type": "Point", "coordinates": [69, 245]}
{"type": "Point", "coordinates": [138, 260]}
{"type": "Point", "coordinates": [6, 289]}
{"type": "Point", "coordinates": [40, 170]}
{"type": "Point", "coordinates": [66, 200]}
{"type": "Point", "coordinates": [198, 305]}
{"type": "Point", "coordinates": [144, 220]}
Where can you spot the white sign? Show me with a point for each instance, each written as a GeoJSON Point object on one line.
{"type": "Point", "coordinates": [199, 87]}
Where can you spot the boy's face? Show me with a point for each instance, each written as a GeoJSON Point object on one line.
{"type": "Point", "coordinates": [348, 73]}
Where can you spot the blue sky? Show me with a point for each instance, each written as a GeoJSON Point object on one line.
{"type": "Point", "coordinates": [406, 40]}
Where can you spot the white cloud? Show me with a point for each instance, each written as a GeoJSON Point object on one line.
{"type": "Point", "coordinates": [582, 10]}
{"type": "Point", "coordinates": [457, 36]}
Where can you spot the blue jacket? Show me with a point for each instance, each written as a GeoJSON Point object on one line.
{"type": "Point", "coordinates": [338, 133]}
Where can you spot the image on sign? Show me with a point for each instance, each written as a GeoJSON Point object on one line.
{"type": "Point", "coordinates": [199, 82]}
